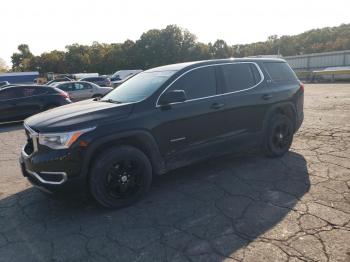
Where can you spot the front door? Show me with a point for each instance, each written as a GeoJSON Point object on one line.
{"type": "Point", "coordinates": [193, 128]}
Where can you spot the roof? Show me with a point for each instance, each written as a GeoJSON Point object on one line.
{"type": "Point", "coordinates": [179, 66]}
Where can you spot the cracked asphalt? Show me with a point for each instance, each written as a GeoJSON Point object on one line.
{"type": "Point", "coordinates": [246, 208]}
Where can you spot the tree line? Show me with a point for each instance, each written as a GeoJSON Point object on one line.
{"type": "Point", "coordinates": [172, 45]}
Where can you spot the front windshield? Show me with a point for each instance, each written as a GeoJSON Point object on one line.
{"type": "Point", "coordinates": [138, 87]}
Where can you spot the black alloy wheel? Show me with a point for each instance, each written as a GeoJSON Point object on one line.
{"type": "Point", "coordinates": [120, 176]}
{"type": "Point", "coordinates": [279, 136]}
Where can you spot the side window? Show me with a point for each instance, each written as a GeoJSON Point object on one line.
{"type": "Point", "coordinates": [66, 87]}
{"type": "Point", "coordinates": [238, 76]}
{"type": "Point", "coordinates": [197, 83]}
{"type": "Point", "coordinates": [280, 72]}
{"type": "Point", "coordinates": [40, 91]}
{"type": "Point", "coordinates": [9, 93]}
{"type": "Point", "coordinates": [28, 91]}
{"type": "Point", "coordinates": [86, 85]}
{"type": "Point", "coordinates": [80, 86]}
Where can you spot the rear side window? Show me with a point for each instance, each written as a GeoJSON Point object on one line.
{"type": "Point", "coordinates": [28, 91]}
{"type": "Point", "coordinates": [86, 85]}
{"type": "Point", "coordinates": [81, 86]}
{"type": "Point", "coordinates": [197, 83]}
{"type": "Point", "coordinates": [40, 91]}
{"type": "Point", "coordinates": [280, 72]}
{"type": "Point", "coordinates": [66, 87]}
{"type": "Point", "coordinates": [240, 76]}
{"type": "Point", "coordinates": [8, 93]}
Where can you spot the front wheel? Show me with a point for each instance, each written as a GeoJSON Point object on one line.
{"type": "Point", "coordinates": [278, 136]}
{"type": "Point", "coordinates": [120, 177]}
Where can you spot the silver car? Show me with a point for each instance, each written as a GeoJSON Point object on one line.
{"type": "Point", "coordinates": [80, 90]}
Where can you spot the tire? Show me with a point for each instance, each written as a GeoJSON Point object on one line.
{"type": "Point", "coordinates": [120, 177]}
{"type": "Point", "coordinates": [97, 96]}
{"type": "Point", "coordinates": [278, 136]}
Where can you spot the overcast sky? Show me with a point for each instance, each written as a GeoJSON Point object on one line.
{"type": "Point", "coordinates": [46, 25]}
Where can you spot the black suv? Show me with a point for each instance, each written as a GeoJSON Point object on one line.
{"type": "Point", "coordinates": [162, 119]}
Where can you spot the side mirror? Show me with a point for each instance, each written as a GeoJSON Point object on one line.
{"type": "Point", "coordinates": [174, 96]}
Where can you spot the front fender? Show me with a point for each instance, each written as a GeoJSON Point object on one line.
{"type": "Point", "coordinates": [148, 143]}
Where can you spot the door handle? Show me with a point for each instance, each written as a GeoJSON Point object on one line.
{"type": "Point", "coordinates": [266, 96]}
{"type": "Point", "coordinates": [216, 105]}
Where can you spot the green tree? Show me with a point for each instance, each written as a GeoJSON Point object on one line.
{"type": "Point", "coordinates": [173, 44]}
{"type": "Point", "coordinates": [220, 49]}
{"type": "Point", "coordinates": [3, 66]}
{"type": "Point", "coordinates": [21, 61]}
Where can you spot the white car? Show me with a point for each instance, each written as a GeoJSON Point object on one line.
{"type": "Point", "coordinates": [80, 90]}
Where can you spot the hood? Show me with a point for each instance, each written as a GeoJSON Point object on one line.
{"type": "Point", "coordinates": [77, 116]}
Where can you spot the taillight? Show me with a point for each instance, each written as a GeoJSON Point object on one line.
{"type": "Point", "coordinates": [64, 95]}
{"type": "Point", "coordinates": [301, 86]}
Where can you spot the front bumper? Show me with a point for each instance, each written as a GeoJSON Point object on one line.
{"type": "Point", "coordinates": [51, 169]}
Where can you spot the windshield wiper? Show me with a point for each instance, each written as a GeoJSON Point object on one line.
{"type": "Point", "coordinates": [111, 101]}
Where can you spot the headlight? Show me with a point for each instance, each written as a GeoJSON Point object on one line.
{"type": "Point", "coordinates": [61, 140]}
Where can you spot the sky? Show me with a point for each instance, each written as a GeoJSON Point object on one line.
{"type": "Point", "coordinates": [46, 25]}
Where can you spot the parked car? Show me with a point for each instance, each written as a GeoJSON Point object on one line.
{"type": "Point", "coordinates": [4, 83]}
{"type": "Point", "coordinates": [1, 87]}
{"type": "Point", "coordinates": [162, 119]}
{"type": "Point", "coordinates": [80, 90]}
{"type": "Point", "coordinates": [19, 102]}
{"type": "Point", "coordinates": [121, 76]}
{"type": "Point", "coordinates": [58, 80]}
{"type": "Point", "coordinates": [99, 80]}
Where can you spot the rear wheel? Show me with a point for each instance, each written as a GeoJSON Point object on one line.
{"type": "Point", "coordinates": [98, 96]}
{"type": "Point", "coordinates": [278, 136]}
{"type": "Point", "coordinates": [120, 177]}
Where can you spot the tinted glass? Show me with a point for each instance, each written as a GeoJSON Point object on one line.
{"type": "Point", "coordinates": [8, 93]}
{"type": "Point", "coordinates": [280, 72]}
{"type": "Point", "coordinates": [66, 87]}
{"type": "Point", "coordinates": [238, 76]}
{"type": "Point", "coordinates": [80, 86]}
{"type": "Point", "coordinates": [27, 91]}
{"type": "Point", "coordinates": [139, 87]}
{"type": "Point", "coordinates": [197, 83]}
{"type": "Point", "coordinates": [86, 85]}
{"type": "Point", "coordinates": [40, 91]}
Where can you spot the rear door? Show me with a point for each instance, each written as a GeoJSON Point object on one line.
{"type": "Point", "coordinates": [82, 91]}
{"type": "Point", "coordinates": [190, 128]}
{"type": "Point", "coordinates": [244, 90]}
{"type": "Point", "coordinates": [29, 100]}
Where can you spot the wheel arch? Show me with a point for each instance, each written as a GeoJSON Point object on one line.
{"type": "Point", "coordinates": [286, 108]}
{"type": "Point", "coordinates": [139, 139]}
